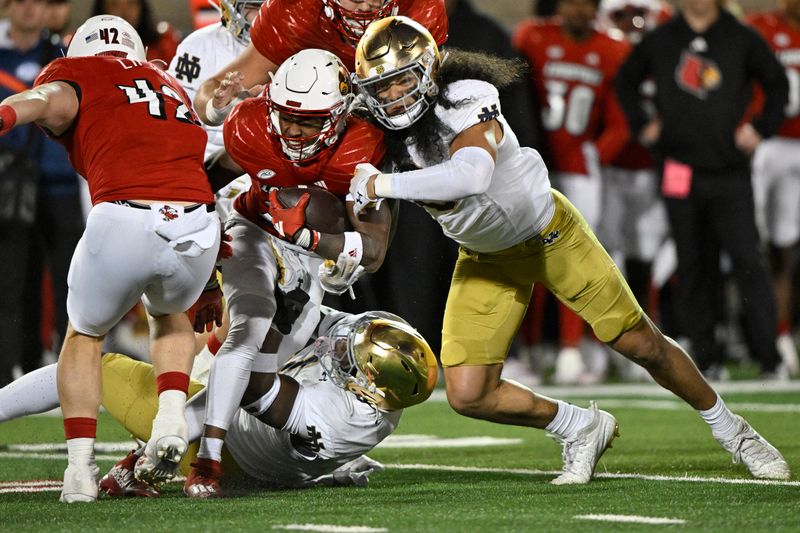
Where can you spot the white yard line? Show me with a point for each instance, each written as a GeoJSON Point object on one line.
{"type": "Point", "coordinates": [330, 528]}
{"type": "Point", "coordinates": [627, 518]}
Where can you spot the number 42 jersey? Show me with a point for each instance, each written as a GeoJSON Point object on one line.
{"type": "Point", "coordinates": [136, 135]}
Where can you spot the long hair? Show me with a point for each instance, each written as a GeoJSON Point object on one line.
{"type": "Point", "coordinates": [427, 134]}
{"type": "Point", "coordinates": [146, 27]}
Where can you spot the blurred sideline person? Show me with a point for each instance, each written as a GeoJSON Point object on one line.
{"type": "Point", "coordinates": [298, 133]}
{"type": "Point", "coordinates": [776, 173]}
{"type": "Point", "coordinates": [703, 63]}
{"type": "Point", "coordinates": [148, 235]}
{"type": "Point", "coordinates": [284, 27]}
{"type": "Point", "coordinates": [159, 38]}
{"type": "Point", "coordinates": [494, 199]}
{"type": "Point", "coordinates": [339, 397]}
{"type": "Point", "coordinates": [572, 72]}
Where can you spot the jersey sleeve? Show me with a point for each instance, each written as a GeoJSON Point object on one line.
{"type": "Point", "coordinates": [58, 70]}
{"type": "Point", "coordinates": [271, 32]}
{"type": "Point", "coordinates": [432, 15]}
{"type": "Point", "coordinates": [476, 102]}
{"type": "Point", "coordinates": [239, 134]}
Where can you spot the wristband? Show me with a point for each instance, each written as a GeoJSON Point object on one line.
{"type": "Point", "coordinates": [8, 117]}
{"type": "Point", "coordinates": [214, 116]}
{"type": "Point", "coordinates": [383, 185]}
{"type": "Point", "coordinates": [353, 245]}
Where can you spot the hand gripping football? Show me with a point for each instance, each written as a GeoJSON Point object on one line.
{"type": "Point", "coordinates": [325, 212]}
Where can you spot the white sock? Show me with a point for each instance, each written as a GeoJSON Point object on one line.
{"type": "Point", "coordinates": [33, 393]}
{"type": "Point", "coordinates": [569, 420]}
{"type": "Point", "coordinates": [722, 421]}
{"type": "Point", "coordinates": [210, 448]}
{"type": "Point", "coordinates": [80, 451]}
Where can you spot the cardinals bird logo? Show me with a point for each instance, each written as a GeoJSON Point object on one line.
{"type": "Point", "coordinates": [697, 75]}
{"type": "Point", "coordinates": [168, 213]}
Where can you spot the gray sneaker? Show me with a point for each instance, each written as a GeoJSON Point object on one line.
{"type": "Point", "coordinates": [582, 453]}
{"type": "Point", "coordinates": [762, 459]}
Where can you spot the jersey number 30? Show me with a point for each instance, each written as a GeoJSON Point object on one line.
{"type": "Point", "coordinates": [568, 109]}
{"type": "Point", "coordinates": [143, 92]}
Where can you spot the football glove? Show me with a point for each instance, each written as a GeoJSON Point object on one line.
{"type": "Point", "coordinates": [290, 223]}
{"type": "Point", "coordinates": [358, 187]}
{"type": "Point", "coordinates": [338, 277]}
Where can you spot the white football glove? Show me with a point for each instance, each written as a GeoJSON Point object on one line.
{"type": "Point", "coordinates": [338, 277]}
{"type": "Point", "coordinates": [358, 187]}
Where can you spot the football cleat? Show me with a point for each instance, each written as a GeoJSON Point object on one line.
{"type": "Point", "coordinates": [762, 459]}
{"type": "Point", "coordinates": [119, 482]}
{"type": "Point", "coordinates": [80, 483]}
{"type": "Point", "coordinates": [582, 452]}
{"type": "Point", "coordinates": [203, 480]}
{"type": "Point", "coordinates": [163, 452]}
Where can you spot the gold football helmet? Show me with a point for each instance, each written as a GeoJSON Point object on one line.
{"type": "Point", "coordinates": [396, 64]}
{"type": "Point", "coordinates": [233, 17]}
{"type": "Point", "coordinates": [380, 358]}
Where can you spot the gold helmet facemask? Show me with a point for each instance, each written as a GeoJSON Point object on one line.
{"type": "Point", "coordinates": [233, 17]}
{"type": "Point", "coordinates": [397, 59]}
{"type": "Point", "coordinates": [380, 358]}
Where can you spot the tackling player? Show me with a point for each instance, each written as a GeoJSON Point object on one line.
{"type": "Point", "coordinates": [130, 129]}
{"type": "Point", "coordinates": [284, 27]}
{"type": "Point", "coordinates": [339, 397]}
{"type": "Point", "coordinates": [494, 198]}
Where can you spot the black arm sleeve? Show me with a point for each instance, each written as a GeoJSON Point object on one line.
{"type": "Point", "coordinates": [764, 67]}
{"type": "Point", "coordinates": [627, 81]}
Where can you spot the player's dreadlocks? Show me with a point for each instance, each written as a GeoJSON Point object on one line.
{"type": "Point", "coordinates": [426, 133]}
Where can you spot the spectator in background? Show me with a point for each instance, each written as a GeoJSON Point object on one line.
{"type": "Point", "coordinates": [160, 39]}
{"type": "Point", "coordinates": [57, 20]}
{"type": "Point", "coordinates": [776, 172]}
{"type": "Point", "coordinates": [45, 226]}
{"type": "Point", "coordinates": [573, 70]}
{"type": "Point", "coordinates": [703, 62]}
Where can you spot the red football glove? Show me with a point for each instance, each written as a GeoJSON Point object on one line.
{"type": "Point", "coordinates": [207, 310]}
{"type": "Point", "coordinates": [290, 223]}
{"type": "Point", "coordinates": [225, 249]}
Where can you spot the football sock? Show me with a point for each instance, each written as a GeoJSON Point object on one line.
{"type": "Point", "coordinates": [172, 387]}
{"type": "Point", "coordinates": [80, 451]}
{"type": "Point", "coordinates": [722, 421]}
{"type": "Point", "coordinates": [33, 393]}
{"type": "Point", "coordinates": [569, 420]}
{"type": "Point", "coordinates": [210, 448]}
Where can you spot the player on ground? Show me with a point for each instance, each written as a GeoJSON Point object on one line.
{"type": "Point", "coordinates": [776, 172]}
{"type": "Point", "coordinates": [338, 398]}
{"type": "Point", "coordinates": [494, 199]}
{"type": "Point", "coordinates": [572, 71]}
{"type": "Point", "coordinates": [130, 129]}
{"type": "Point", "coordinates": [298, 133]}
{"type": "Point", "coordinates": [284, 27]}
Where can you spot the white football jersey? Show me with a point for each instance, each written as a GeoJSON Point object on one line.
{"type": "Point", "coordinates": [518, 203]}
{"type": "Point", "coordinates": [333, 428]}
{"type": "Point", "coordinates": [200, 55]}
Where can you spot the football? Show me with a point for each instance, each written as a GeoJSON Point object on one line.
{"type": "Point", "coordinates": [325, 212]}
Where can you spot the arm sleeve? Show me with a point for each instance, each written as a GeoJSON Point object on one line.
{"type": "Point", "coordinates": [468, 172]}
{"type": "Point", "coordinates": [770, 74]}
{"type": "Point", "coordinates": [626, 84]}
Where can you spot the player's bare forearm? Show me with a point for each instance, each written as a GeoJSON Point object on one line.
{"type": "Point", "coordinates": [204, 94]}
{"type": "Point", "coordinates": [52, 105]}
{"type": "Point", "coordinates": [374, 226]}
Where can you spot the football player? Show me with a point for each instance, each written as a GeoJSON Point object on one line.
{"type": "Point", "coordinates": [776, 172]}
{"type": "Point", "coordinates": [572, 71]}
{"type": "Point", "coordinates": [339, 397]}
{"type": "Point", "coordinates": [284, 27]}
{"type": "Point", "coordinates": [298, 133]}
{"type": "Point", "coordinates": [130, 129]}
{"type": "Point", "coordinates": [494, 198]}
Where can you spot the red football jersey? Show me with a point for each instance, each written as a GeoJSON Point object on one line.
{"type": "Point", "coordinates": [785, 41]}
{"type": "Point", "coordinates": [135, 135]}
{"type": "Point", "coordinates": [248, 142]}
{"type": "Point", "coordinates": [284, 27]}
{"type": "Point", "coordinates": [574, 84]}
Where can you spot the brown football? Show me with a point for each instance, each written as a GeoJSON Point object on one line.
{"type": "Point", "coordinates": [325, 212]}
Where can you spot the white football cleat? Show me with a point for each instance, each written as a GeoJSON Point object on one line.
{"type": "Point", "coordinates": [582, 452]}
{"type": "Point", "coordinates": [80, 483]}
{"type": "Point", "coordinates": [762, 459]}
{"type": "Point", "coordinates": [164, 451]}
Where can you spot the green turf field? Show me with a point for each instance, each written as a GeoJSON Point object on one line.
{"type": "Point", "coordinates": [494, 478]}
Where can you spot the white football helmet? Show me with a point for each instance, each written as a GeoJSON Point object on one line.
{"type": "Point", "coordinates": [233, 17]}
{"type": "Point", "coordinates": [352, 24]}
{"type": "Point", "coordinates": [312, 84]}
{"type": "Point", "coordinates": [107, 35]}
{"type": "Point", "coordinates": [397, 51]}
{"type": "Point", "coordinates": [380, 358]}
{"type": "Point", "coordinates": [629, 18]}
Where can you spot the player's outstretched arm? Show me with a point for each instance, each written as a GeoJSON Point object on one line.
{"type": "Point", "coordinates": [51, 105]}
{"type": "Point", "coordinates": [217, 95]}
